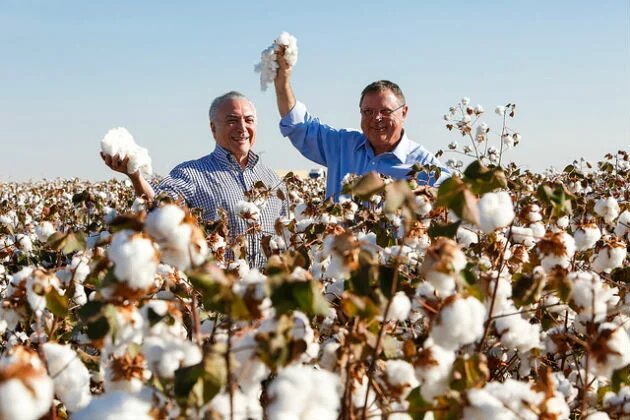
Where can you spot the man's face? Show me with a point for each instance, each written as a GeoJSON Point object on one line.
{"type": "Point", "coordinates": [381, 126]}
{"type": "Point", "coordinates": [235, 127]}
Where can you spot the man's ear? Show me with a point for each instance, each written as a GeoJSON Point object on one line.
{"type": "Point", "coordinates": [213, 128]}
{"type": "Point", "coordinates": [404, 111]}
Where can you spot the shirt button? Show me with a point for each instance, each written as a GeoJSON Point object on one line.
{"type": "Point", "coordinates": [373, 163]}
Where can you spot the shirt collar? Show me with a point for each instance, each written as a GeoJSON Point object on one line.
{"type": "Point", "coordinates": [226, 158]}
{"type": "Point", "coordinates": [401, 151]}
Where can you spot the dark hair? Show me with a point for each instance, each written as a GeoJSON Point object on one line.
{"type": "Point", "coordinates": [381, 85]}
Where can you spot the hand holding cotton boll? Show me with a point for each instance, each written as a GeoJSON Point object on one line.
{"type": "Point", "coordinates": [285, 46]}
{"type": "Point", "coordinates": [120, 152]}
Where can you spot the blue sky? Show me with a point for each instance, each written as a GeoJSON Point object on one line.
{"type": "Point", "coordinates": [71, 70]}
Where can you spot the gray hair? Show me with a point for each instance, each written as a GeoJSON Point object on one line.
{"type": "Point", "coordinates": [218, 101]}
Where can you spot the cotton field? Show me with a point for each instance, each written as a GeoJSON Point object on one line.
{"type": "Point", "coordinates": [501, 294]}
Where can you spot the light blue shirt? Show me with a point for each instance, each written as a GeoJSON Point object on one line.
{"type": "Point", "coordinates": [348, 151]}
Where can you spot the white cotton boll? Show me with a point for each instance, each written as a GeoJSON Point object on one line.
{"type": "Point", "coordinates": [70, 376]}
{"type": "Point", "coordinates": [597, 415]}
{"type": "Point", "coordinates": [116, 405]}
{"type": "Point", "coordinates": [563, 222]}
{"type": "Point", "coordinates": [466, 237]}
{"type": "Point", "coordinates": [399, 308]}
{"type": "Point", "coordinates": [109, 214]}
{"type": "Point", "coordinates": [24, 243]}
{"type": "Point", "coordinates": [443, 284]}
{"type": "Point", "coordinates": [460, 322]}
{"type": "Point", "coordinates": [301, 392]}
{"type": "Point", "coordinates": [503, 302]}
{"type": "Point", "coordinates": [359, 390]}
{"type": "Point", "coordinates": [44, 230]}
{"type": "Point", "coordinates": [565, 387]}
{"type": "Point", "coordinates": [623, 224]}
{"type": "Point", "coordinates": [481, 131]}
{"type": "Point", "coordinates": [508, 141]}
{"type": "Point", "coordinates": [163, 223]}
{"type": "Point", "coordinates": [434, 375]}
{"type": "Point", "coordinates": [561, 255]}
{"type": "Point", "coordinates": [130, 330]}
{"type": "Point", "coordinates": [617, 354]}
{"type": "Point", "coordinates": [248, 211]}
{"type": "Point", "coordinates": [557, 407]}
{"type": "Point", "coordinates": [140, 160]}
{"type": "Point", "coordinates": [181, 243]}
{"type": "Point", "coordinates": [523, 235]}
{"type": "Point", "coordinates": [118, 141]}
{"type": "Point", "coordinates": [249, 370]}
{"type": "Point", "coordinates": [138, 205]}
{"type": "Point", "coordinates": [268, 65]}
{"type": "Point", "coordinates": [517, 333]}
{"type": "Point", "coordinates": [495, 211]}
{"type": "Point", "coordinates": [620, 401]}
{"type": "Point", "coordinates": [499, 110]}
{"type": "Point", "coordinates": [443, 261]}
{"type": "Point", "coordinates": [329, 357]}
{"type": "Point", "coordinates": [534, 213]}
{"type": "Point", "coordinates": [401, 374]}
{"type": "Point", "coordinates": [38, 283]}
{"type": "Point", "coordinates": [609, 258]}
{"type": "Point", "coordinates": [586, 237]}
{"type": "Point", "coordinates": [607, 209]}
{"type": "Point", "coordinates": [244, 407]}
{"type": "Point", "coordinates": [24, 402]}
{"type": "Point", "coordinates": [80, 298]}
{"type": "Point", "coordinates": [538, 229]}
{"type": "Point", "coordinates": [465, 101]}
{"type": "Point", "coordinates": [424, 205]}
{"type": "Point", "coordinates": [135, 259]}
{"type": "Point", "coordinates": [591, 295]}
{"type": "Point", "coordinates": [80, 265]}
{"type": "Point", "coordinates": [301, 328]}
{"type": "Point", "coordinates": [513, 397]}
{"type": "Point", "coordinates": [165, 354]}
{"type": "Point", "coordinates": [26, 391]}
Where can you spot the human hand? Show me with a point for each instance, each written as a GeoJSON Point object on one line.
{"type": "Point", "coordinates": [283, 74]}
{"type": "Point", "coordinates": [118, 164]}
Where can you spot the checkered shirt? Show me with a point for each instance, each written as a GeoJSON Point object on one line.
{"type": "Point", "coordinates": [217, 181]}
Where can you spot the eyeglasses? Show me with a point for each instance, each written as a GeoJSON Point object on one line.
{"type": "Point", "coordinates": [384, 113]}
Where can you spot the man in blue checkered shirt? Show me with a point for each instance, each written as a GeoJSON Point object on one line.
{"type": "Point", "coordinates": [221, 179]}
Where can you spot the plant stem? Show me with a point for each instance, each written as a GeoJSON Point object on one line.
{"type": "Point", "coordinates": [381, 333]}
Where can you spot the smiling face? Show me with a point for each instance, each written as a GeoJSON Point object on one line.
{"type": "Point", "coordinates": [235, 127]}
{"type": "Point", "coordinates": [382, 127]}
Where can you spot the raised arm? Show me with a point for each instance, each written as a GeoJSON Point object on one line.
{"type": "Point", "coordinates": [140, 185]}
{"type": "Point", "coordinates": [282, 82]}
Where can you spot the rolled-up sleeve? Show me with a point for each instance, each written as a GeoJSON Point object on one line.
{"type": "Point", "coordinates": [315, 141]}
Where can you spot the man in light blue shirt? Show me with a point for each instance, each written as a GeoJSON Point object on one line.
{"type": "Point", "coordinates": [380, 146]}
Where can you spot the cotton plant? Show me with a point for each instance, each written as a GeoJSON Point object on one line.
{"type": "Point", "coordinates": [466, 119]}
{"type": "Point", "coordinates": [501, 291]}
